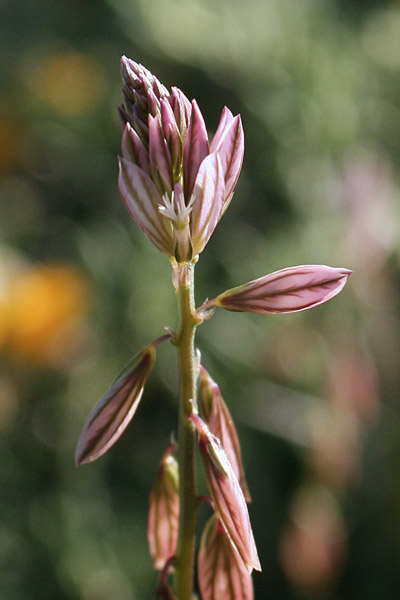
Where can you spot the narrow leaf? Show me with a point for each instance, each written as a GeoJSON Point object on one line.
{"type": "Point", "coordinates": [288, 290]}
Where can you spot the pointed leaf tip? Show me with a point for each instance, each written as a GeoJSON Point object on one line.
{"type": "Point", "coordinates": [111, 415]}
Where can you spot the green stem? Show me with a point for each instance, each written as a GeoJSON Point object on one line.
{"type": "Point", "coordinates": [183, 581]}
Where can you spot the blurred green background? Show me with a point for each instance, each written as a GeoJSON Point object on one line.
{"type": "Point", "coordinates": [315, 395]}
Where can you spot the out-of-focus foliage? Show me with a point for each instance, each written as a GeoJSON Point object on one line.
{"type": "Point", "coordinates": [316, 395]}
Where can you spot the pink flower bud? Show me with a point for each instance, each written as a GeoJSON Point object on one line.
{"type": "Point", "coordinates": [285, 291]}
{"type": "Point", "coordinates": [182, 108]}
{"type": "Point", "coordinates": [195, 149]}
{"type": "Point", "coordinates": [227, 495]}
{"type": "Point", "coordinates": [159, 156]}
{"type": "Point", "coordinates": [173, 137]}
{"type": "Point", "coordinates": [112, 414]}
{"type": "Point", "coordinates": [216, 414]}
{"type": "Point", "coordinates": [164, 143]}
{"type": "Point", "coordinates": [143, 200]}
{"type": "Point", "coordinates": [221, 573]}
{"type": "Point", "coordinates": [133, 149]}
{"type": "Point", "coordinates": [228, 142]}
{"type": "Point", "coordinates": [162, 527]}
{"type": "Point", "coordinates": [207, 200]}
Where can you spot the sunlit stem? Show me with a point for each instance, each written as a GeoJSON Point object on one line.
{"type": "Point", "coordinates": [184, 282]}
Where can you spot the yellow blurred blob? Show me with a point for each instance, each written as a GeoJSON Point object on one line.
{"type": "Point", "coordinates": [10, 139]}
{"type": "Point", "coordinates": [72, 83]}
{"type": "Point", "coordinates": [39, 313]}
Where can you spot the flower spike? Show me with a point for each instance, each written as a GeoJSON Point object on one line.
{"type": "Point", "coordinates": [289, 290]}
{"type": "Point", "coordinates": [165, 144]}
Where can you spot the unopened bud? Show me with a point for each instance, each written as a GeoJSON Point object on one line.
{"type": "Point", "coordinates": [216, 414]}
{"type": "Point", "coordinates": [113, 413]}
{"type": "Point", "coordinates": [227, 495]}
{"type": "Point", "coordinates": [221, 573]}
{"type": "Point", "coordinates": [162, 527]}
{"type": "Point", "coordinates": [288, 290]}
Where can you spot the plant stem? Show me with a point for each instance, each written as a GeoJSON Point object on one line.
{"type": "Point", "coordinates": [183, 582]}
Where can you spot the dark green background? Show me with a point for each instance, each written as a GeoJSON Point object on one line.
{"type": "Point", "coordinates": [318, 88]}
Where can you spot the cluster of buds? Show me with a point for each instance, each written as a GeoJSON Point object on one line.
{"type": "Point", "coordinates": [177, 185]}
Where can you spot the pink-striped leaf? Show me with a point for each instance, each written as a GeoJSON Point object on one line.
{"type": "Point", "coordinates": [208, 194]}
{"type": "Point", "coordinates": [142, 200]}
{"type": "Point", "coordinates": [162, 525]}
{"type": "Point", "coordinates": [109, 418]}
{"type": "Point", "coordinates": [195, 149]}
{"type": "Point", "coordinates": [221, 573]}
{"type": "Point", "coordinates": [288, 290]}
{"type": "Point", "coordinates": [223, 486]}
{"type": "Point", "coordinates": [216, 414]}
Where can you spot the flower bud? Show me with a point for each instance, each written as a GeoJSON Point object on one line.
{"type": "Point", "coordinates": [215, 413]}
{"type": "Point", "coordinates": [227, 495]}
{"type": "Point", "coordinates": [221, 573]}
{"type": "Point", "coordinates": [143, 200]}
{"type": "Point", "coordinates": [142, 93]}
{"type": "Point", "coordinates": [195, 148]}
{"type": "Point", "coordinates": [289, 290]}
{"type": "Point", "coordinates": [228, 142]}
{"type": "Point", "coordinates": [165, 143]}
{"type": "Point", "coordinates": [109, 418]}
{"type": "Point", "coordinates": [162, 527]}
